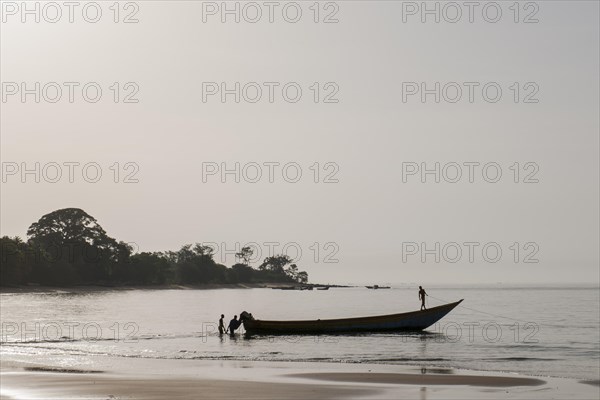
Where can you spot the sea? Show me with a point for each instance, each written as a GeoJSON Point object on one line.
{"type": "Point", "coordinates": [550, 331]}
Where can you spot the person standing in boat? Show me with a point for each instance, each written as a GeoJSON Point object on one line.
{"type": "Point", "coordinates": [221, 325]}
{"type": "Point", "coordinates": [422, 294]}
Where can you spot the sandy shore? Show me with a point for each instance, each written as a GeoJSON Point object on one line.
{"type": "Point", "coordinates": [61, 386]}
{"type": "Point", "coordinates": [153, 379]}
{"type": "Point", "coordinates": [424, 379]}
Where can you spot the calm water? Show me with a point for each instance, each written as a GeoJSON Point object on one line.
{"type": "Point", "coordinates": [546, 331]}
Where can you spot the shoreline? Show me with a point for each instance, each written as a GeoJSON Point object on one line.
{"type": "Point", "coordinates": [33, 288]}
{"type": "Point", "coordinates": [325, 364]}
{"type": "Point", "coordinates": [100, 288]}
{"type": "Point", "coordinates": [191, 379]}
{"type": "Point", "coordinates": [203, 286]}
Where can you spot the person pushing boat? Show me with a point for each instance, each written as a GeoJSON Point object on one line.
{"type": "Point", "coordinates": [422, 294]}
{"type": "Point", "coordinates": [233, 325]}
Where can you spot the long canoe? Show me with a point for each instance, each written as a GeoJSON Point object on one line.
{"type": "Point", "coordinates": [409, 321]}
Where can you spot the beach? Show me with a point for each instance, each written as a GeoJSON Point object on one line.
{"type": "Point", "coordinates": [193, 379]}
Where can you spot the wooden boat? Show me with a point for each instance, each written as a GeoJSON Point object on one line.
{"type": "Point", "coordinates": [323, 288]}
{"type": "Point", "coordinates": [409, 321]}
{"type": "Point", "coordinates": [378, 287]}
{"type": "Point", "coordinates": [293, 288]}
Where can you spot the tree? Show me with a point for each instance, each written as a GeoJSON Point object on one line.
{"type": "Point", "coordinates": [66, 225]}
{"type": "Point", "coordinates": [294, 274]}
{"type": "Point", "coordinates": [302, 277]}
{"type": "Point", "coordinates": [275, 264]}
{"type": "Point", "coordinates": [292, 271]}
{"type": "Point", "coordinates": [145, 269]}
{"type": "Point", "coordinates": [15, 261]}
{"type": "Point", "coordinates": [241, 273]}
{"type": "Point", "coordinates": [79, 244]}
{"type": "Point", "coordinates": [195, 264]}
{"type": "Point", "coordinates": [273, 269]}
{"type": "Point", "coordinates": [245, 254]}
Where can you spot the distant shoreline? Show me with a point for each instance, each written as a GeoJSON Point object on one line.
{"type": "Point", "coordinates": [268, 285]}
{"type": "Point", "coordinates": [203, 286]}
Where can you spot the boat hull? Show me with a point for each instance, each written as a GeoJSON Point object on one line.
{"type": "Point", "coordinates": [410, 321]}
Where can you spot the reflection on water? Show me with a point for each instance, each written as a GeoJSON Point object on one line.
{"type": "Point", "coordinates": [64, 328]}
{"type": "Point", "coordinates": [437, 371]}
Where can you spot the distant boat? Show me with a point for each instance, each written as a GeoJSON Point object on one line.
{"type": "Point", "coordinates": [294, 288]}
{"type": "Point", "coordinates": [323, 288]}
{"type": "Point", "coordinates": [409, 321]}
{"type": "Point", "coordinates": [378, 287]}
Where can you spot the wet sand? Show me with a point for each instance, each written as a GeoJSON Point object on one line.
{"type": "Point", "coordinates": [425, 380]}
{"type": "Point", "coordinates": [61, 386]}
{"type": "Point", "coordinates": [154, 379]}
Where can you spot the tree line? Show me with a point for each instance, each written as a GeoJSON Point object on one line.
{"type": "Point", "coordinates": [68, 247]}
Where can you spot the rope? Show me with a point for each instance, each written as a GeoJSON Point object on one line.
{"type": "Point", "coordinates": [482, 312]}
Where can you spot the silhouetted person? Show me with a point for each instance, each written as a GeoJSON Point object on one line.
{"type": "Point", "coordinates": [221, 325]}
{"type": "Point", "coordinates": [422, 294]}
{"type": "Point", "coordinates": [233, 325]}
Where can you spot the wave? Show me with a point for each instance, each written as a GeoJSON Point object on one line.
{"type": "Point", "coordinates": [128, 339]}
{"type": "Point", "coordinates": [406, 359]}
{"type": "Point", "coordinates": [62, 370]}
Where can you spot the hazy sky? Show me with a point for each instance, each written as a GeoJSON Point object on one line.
{"type": "Point", "coordinates": [373, 62]}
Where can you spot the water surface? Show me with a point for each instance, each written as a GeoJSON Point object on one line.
{"type": "Point", "coordinates": [544, 331]}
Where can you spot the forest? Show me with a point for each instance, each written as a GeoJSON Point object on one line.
{"type": "Point", "coordinates": [68, 247]}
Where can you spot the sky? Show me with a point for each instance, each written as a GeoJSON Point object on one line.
{"type": "Point", "coordinates": [365, 139]}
